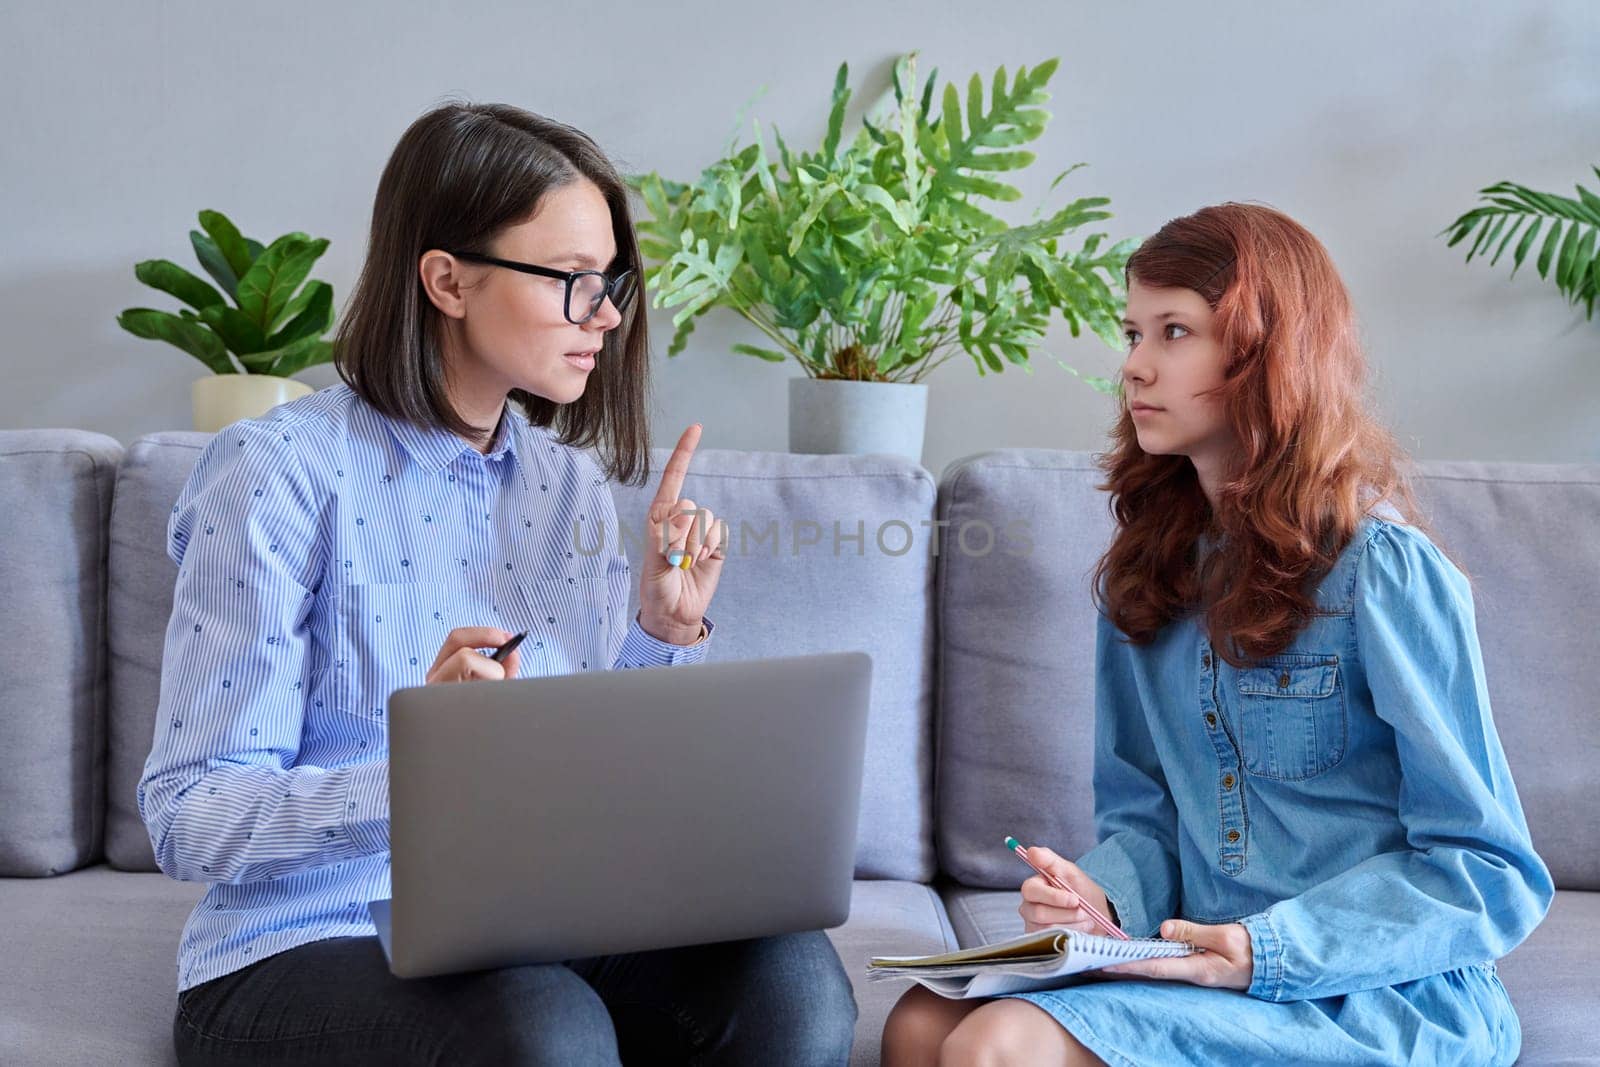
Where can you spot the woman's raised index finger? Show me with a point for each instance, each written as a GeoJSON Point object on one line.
{"type": "Point", "coordinates": [678, 466]}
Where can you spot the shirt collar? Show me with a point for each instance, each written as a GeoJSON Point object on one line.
{"type": "Point", "coordinates": [434, 448]}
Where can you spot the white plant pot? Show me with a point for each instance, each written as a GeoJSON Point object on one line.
{"type": "Point", "coordinates": [220, 399]}
{"type": "Point", "coordinates": [858, 418]}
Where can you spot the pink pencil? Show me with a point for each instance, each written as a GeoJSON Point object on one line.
{"type": "Point", "coordinates": [1111, 928]}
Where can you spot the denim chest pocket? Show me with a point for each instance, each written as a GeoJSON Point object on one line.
{"type": "Point", "coordinates": [1292, 718]}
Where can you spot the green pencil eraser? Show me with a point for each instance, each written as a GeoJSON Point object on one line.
{"type": "Point", "coordinates": [1011, 842]}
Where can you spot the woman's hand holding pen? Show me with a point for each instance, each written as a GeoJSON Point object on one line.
{"type": "Point", "coordinates": [1044, 905]}
{"type": "Point", "coordinates": [460, 661]}
{"type": "Point", "coordinates": [681, 569]}
{"type": "Point", "coordinates": [1226, 963]}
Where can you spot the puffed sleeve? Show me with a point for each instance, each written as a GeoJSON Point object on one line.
{"type": "Point", "coordinates": [1469, 887]}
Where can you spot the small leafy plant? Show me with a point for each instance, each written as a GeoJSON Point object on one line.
{"type": "Point", "coordinates": [876, 258]}
{"type": "Point", "coordinates": [274, 326]}
{"type": "Point", "coordinates": [1568, 255]}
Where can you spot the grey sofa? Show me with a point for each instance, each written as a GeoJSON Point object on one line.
{"type": "Point", "coordinates": [981, 718]}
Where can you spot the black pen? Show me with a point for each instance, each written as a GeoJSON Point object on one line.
{"type": "Point", "coordinates": [509, 647]}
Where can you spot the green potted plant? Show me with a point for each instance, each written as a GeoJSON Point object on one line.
{"type": "Point", "coordinates": [1570, 252]}
{"type": "Point", "coordinates": [875, 259]}
{"type": "Point", "coordinates": [273, 328]}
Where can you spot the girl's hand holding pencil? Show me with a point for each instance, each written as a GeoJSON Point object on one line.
{"type": "Point", "coordinates": [1061, 895]}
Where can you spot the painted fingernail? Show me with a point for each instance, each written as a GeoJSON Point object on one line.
{"type": "Point", "coordinates": [675, 558]}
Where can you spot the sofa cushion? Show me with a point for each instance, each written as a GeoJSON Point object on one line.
{"type": "Point", "coordinates": [982, 916]}
{"type": "Point", "coordinates": [91, 972]}
{"type": "Point", "coordinates": [1553, 977]}
{"type": "Point", "coordinates": [774, 599]}
{"type": "Point", "coordinates": [139, 603]}
{"type": "Point", "coordinates": [781, 597]}
{"type": "Point", "coordinates": [1554, 982]}
{"type": "Point", "coordinates": [1016, 645]}
{"type": "Point", "coordinates": [55, 492]}
{"type": "Point", "coordinates": [1016, 659]}
{"type": "Point", "coordinates": [1528, 535]}
{"type": "Point", "coordinates": [887, 918]}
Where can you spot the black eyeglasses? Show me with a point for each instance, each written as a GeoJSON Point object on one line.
{"type": "Point", "coordinates": [586, 289]}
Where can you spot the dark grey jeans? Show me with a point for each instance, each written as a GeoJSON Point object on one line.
{"type": "Point", "coordinates": [778, 1000]}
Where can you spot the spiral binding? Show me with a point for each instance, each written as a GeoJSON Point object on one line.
{"type": "Point", "coordinates": [1136, 947]}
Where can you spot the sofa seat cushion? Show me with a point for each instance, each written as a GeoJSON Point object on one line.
{"type": "Point", "coordinates": [887, 918]}
{"type": "Point", "coordinates": [91, 971]}
{"type": "Point", "coordinates": [1554, 981]}
{"type": "Point", "coordinates": [91, 962]}
{"type": "Point", "coordinates": [980, 916]}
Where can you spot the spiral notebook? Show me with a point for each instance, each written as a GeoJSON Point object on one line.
{"type": "Point", "coordinates": [1043, 959]}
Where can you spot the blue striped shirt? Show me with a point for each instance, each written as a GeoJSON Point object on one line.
{"type": "Point", "coordinates": [324, 552]}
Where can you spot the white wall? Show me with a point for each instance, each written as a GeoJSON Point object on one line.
{"type": "Point", "coordinates": [1373, 123]}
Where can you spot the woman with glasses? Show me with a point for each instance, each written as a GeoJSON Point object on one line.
{"type": "Point", "coordinates": [386, 532]}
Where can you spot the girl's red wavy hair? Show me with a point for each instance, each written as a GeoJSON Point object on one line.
{"type": "Point", "coordinates": [1312, 459]}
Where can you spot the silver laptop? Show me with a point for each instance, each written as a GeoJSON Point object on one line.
{"type": "Point", "coordinates": [582, 815]}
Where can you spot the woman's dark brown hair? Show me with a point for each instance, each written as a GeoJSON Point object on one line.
{"type": "Point", "coordinates": [460, 175]}
{"type": "Point", "coordinates": [1312, 460]}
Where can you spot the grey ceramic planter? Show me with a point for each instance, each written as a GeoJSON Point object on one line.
{"type": "Point", "coordinates": [827, 416]}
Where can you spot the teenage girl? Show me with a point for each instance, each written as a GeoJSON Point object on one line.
{"type": "Point", "coordinates": [1295, 763]}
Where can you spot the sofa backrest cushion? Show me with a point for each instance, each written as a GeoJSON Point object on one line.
{"type": "Point", "coordinates": [790, 588]}
{"type": "Point", "coordinates": [140, 602]}
{"type": "Point", "coordinates": [1016, 642]}
{"type": "Point", "coordinates": [1015, 718]}
{"type": "Point", "coordinates": [55, 496]}
{"type": "Point", "coordinates": [1528, 536]}
{"type": "Point", "coordinates": [774, 600]}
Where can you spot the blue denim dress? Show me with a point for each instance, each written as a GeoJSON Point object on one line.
{"type": "Point", "coordinates": [1347, 801]}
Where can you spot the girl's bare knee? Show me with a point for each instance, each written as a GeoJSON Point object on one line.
{"type": "Point", "coordinates": [1006, 1032]}
{"type": "Point", "coordinates": [918, 1025]}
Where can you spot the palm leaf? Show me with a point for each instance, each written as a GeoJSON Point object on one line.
{"type": "Point", "coordinates": [1570, 253]}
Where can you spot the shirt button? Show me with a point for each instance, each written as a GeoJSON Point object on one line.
{"type": "Point", "coordinates": [1233, 835]}
{"type": "Point", "coordinates": [1211, 720]}
{"type": "Point", "coordinates": [1206, 659]}
{"type": "Point", "coordinates": [1283, 681]}
{"type": "Point", "coordinates": [1227, 781]}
